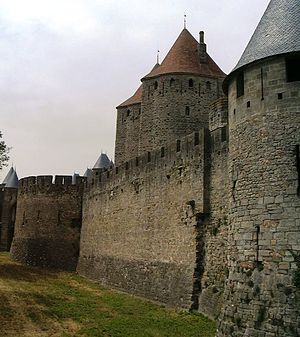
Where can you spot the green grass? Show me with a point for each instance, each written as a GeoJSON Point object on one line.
{"type": "Point", "coordinates": [35, 302]}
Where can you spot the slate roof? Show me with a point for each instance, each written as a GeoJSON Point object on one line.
{"type": "Point", "coordinates": [13, 180]}
{"type": "Point", "coordinates": [102, 162]}
{"type": "Point", "coordinates": [10, 172]}
{"type": "Point", "coordinates": [183, 58]}
{"type": "Point", "coordinates": [278, 32]}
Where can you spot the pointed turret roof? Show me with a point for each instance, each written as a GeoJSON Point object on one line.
{"type": "Point", "coordinates": [137, 96]}
{"type": "Point", "coordinates": [88, 173]}
{"type": "Point", "coordinates": [278, 32]}
{"type": "Point", "coordinates": [102, 162]}
{"type": "Point", "coordinates": [135, 99]}
{"type": "Point", "coordinates": [183, 58]}
{"type": "Point", "coordinates": [10, 172]}
{"type": "Point", "coordinates": [13, 180]}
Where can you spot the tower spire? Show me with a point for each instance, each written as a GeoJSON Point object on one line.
{"type": "Point", "coordinates": [157, 56]}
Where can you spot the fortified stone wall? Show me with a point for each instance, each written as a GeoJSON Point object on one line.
{"type": "Point", "coordinates": [8, 204]}
{"type": "Point", "coordinates": [174, 106]}
{"type": "Point", "coordinates": [142, 222]}
{"type": "Point", "coordinates": [128, 133]}
{"type": "Point", "coordinates": [216, 224]}
{"type": "Point", "coordinates": [48, 222]}
{"type": "Point", "coordinates": [263, 289]}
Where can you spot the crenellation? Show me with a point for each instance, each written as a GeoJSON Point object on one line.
{"type": "Point", "coordinates": [201, 208]}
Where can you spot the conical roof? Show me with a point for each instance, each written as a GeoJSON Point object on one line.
{"type": "Point", "coordinates": [183, 58]}
{"type": "Point", "coordinates": [10, 172]}
{"type": "Point", "coordinates": [102, 162]}
{"type": "Point", "coordinates": [88, 173]}
{"type": "Point", "coordinates": [278, 32]}
{"type": "Point", "coordinates": [13, 180]}
{"type": "Point", "coordinates": [135, 99]}
{"type": "Point", "coordinates": [137, 96]}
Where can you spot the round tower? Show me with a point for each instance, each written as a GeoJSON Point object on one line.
{"type": "Point", "coordinates": [176, 94]}
{"type": "Point", "coordinates": [48, 222]}
{"type": "Point", "coordinates": [263, 288]}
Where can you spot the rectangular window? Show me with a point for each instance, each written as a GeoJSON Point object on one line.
{"type": "Point", "coordinates": [240, 84]}
{"type": "Point", "coordinates": [292, 68]}
{"type": "Point", "coordinates": [178, 145]}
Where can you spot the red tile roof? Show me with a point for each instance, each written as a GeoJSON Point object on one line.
{"type": "Point", "coordinates": [135, 99]}
{"type": "Point", "coordinates": [183, 57]}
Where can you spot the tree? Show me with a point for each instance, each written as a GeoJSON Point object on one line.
{"type": "Point", "coordinates": [4, 149]}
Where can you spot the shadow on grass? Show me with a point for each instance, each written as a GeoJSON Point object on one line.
{"type": "Point", "coordinates": [15, 272]}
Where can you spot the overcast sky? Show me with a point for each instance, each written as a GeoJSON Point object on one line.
{"type": "Point", "coordinates": [66, 64]}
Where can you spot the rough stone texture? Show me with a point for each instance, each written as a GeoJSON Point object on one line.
{"type": "Point", "coordinates": [128, 133]}
{"type": "Point", "coordinates": [215, 240]}
{"type": "Point", "coordinates": [140, 223]}
{"type": "Point", "coordinates": [170, 110]}
{"type": "Point", "coordinates": [164, 115]}
{"type": "Point", "coordinates": [48, 222]}
{"type": "Point", "coordinates": [8, 204]}
{"type": "Point", "coordinates": [262, 292]}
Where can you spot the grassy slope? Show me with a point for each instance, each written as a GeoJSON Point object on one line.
{"type": "Point", "coordinates": [35, 302]}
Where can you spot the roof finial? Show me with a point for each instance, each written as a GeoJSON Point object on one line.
{"type": "Point", "coordinates": [157, 56]}
{"type": "Point", "coordinates": [184, 21]}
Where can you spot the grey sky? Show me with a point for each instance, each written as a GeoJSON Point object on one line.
{"type": "Point", "coordinates": [66, 64]}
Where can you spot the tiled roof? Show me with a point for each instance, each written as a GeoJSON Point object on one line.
{"type": "Point", "coordinates": [183, 57]}
{"type": "Point", "coordinates": [278, 32]}
{"type": "Point", "coordinates": [135, 99]}
{"type": "Point", "coordinates": [137, 96]}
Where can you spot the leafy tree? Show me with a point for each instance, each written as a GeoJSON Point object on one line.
{"type": "Point", "coordinates": [4, 149]}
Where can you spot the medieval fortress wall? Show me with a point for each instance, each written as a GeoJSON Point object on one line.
{"type": "Point", "coordinates": [201, 209]}
{"type": "Point", "coordinates": [48, 222]}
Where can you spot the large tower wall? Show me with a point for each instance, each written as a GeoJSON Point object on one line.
{"type": "Point", "coordinates": [48, 222]}
{"type": "Point", "coordinates": [172, 109]}
{"type": "Point", "coordinates": [262, 291]}
{"type": "Point", "coordinates": [8, 204]}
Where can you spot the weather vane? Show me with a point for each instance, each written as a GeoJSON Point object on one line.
{"type": "Point", "coordinates": [184, 21]}
{"type": "Point", "coordinates": [157, 57]}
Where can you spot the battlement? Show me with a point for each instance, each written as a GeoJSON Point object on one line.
{"type": "Point", "coordinates": [175, 153]}
{"type": "Point", "coordinates": [49, 184]}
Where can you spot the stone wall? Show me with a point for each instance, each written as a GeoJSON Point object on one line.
{"type": "Point", "coordinates": [172, 108]}
{"type": "Point", "coordinates": [263, 289]}
{"type": "Point", "coordinates": [142, 222]}
{"type": "Point", "coordinates": [216, 224]}
{"type": "Point", "coordinates": [8, 204]}
{"type": "Point", "coordinates": [48, 222]}
{"type": "Point", "coordinates": [128, 133]}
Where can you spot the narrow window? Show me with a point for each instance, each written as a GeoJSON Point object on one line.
{"type": "Point", "coordinates": [248, 104]}
{"type": "Point", "coordinates": [293, 68]}
{"type": "Point", "coordinates": [196, 138]}
{"type": "Point", "coordinates": [208, 85]}
{"type": "Point", "coordinates": [107, 174]}
{"type": "Point", "coordinates": [178, 145]}
{"type": "Point", "coordinates": [187, 110]}
{"type": "Point", "coordinates": [126, 166]}
{"type": "Point", "coordinates": [280, 95]}
{"type": "Point", "coordinates": [136, 161]}
{"type": "Point", "coordinates": [191, 83]}
{"type": "Point", "coordinates": [155, 85]}
{"type": "Point", "coordinates": [240, 85]}
{"type": "Point", "coordinates": [172, 82]}
{"type": "Point", "coordinates": [162, 152]}
{"type": "Point", "coordinates": [117, 170]}
{"type": "Point", "coordinates": [224, 134]}
{"type": "Point", "coordinates": [128, 112]}
{"type": "Point", "coordinates": [149, 157]}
